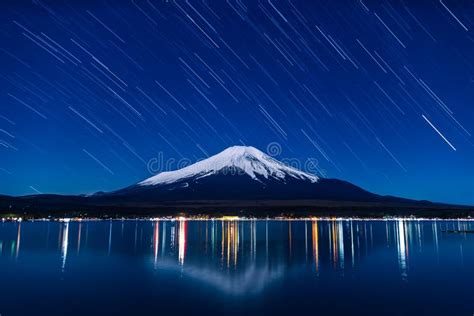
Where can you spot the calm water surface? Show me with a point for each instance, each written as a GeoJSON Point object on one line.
{"type": "Point", "coordinates": [236, 267]}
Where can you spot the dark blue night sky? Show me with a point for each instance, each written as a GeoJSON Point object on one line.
{"type": "Point", "coordinates": [379, 93]}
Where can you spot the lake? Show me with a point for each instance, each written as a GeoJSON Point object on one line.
{"type": "Point", "coordinates": [336, 267]}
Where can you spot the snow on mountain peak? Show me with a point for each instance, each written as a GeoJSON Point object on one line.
{"type": "Point", "coordinates": [249, 160]}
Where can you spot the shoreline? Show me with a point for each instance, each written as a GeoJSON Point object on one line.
{"type": "Point", "coordinates": [229, 219]}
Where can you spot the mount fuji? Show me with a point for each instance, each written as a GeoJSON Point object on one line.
{"type": "Point", "coordinates": [242, 173]}
{"type": "Point", "coordinates": [239, 179]}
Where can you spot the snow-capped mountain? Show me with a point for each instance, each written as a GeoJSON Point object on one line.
{"type": "Point", "coordinates": [238, 178]}
{"type": "Point", "coordinates": [238, 160]}
{"type": "Point", "coordinates": [240, 173]}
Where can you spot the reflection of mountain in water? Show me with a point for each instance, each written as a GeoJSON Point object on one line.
{"type": "Point", "coordinates": [252, 279]}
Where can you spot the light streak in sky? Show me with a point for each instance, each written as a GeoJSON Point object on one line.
{"type": "Point", "coordinates": [390, 153]}
{"type": "Point", "coordinates": [98, 161]}
{"type": "Point", "coordinates": [439, 133]}
{"type": "Point", "coordinates": [454, 16]}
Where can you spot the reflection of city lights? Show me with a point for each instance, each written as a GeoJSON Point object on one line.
{"type": "Point", "coordinates": [289, 237]}
{"type": "Point", "coordinates": [79, 237]}
{"type": "Point", "coordinates": [230, 239]}
{"type": "Point", "coordinates": [352, 244]}
{"type": "Point", "coordinates": [163, 239]}
{"type": "Point", "coordinates": [335, 244]}
{"type": "Point", "coordinates": [402, 247]}
{"type": "Point", "coordinates": [172, 237]}
{"type": "Point", "coordinates": [435, 237]}
{"type": "Point", "coordinates": [18, 236]}
{"type": "Point", "coordinates": [183, 227]}
{"type": "Point", "coordinates": [341, 243]}
{"type": "Point", "coordinates": [222, 242]}
{"type": "Point", "coordinates": [156, 237]}
{"type": "Point", "coordinates": [232, 236]}
{"type": "Point", "coordinates": [253, 232]}
{"type": "Point", "coordinates": [110, 237]}
{"type": "Point", "coordinates": [306, 239]}
{"type": "Point", "coordinates": [266, 238]}
{"type": "Point", "coordinates": [213, 239]}
{"type": "Point", "coordinates": [314, 230]}
{"type": "Point", "coordinates": [64, 243]}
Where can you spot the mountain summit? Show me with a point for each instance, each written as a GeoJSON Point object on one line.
{"type": "Point", "coordinates": [234, 160]}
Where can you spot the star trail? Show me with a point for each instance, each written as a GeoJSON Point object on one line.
{"type": "Point", "coordinates": [379, 93]}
